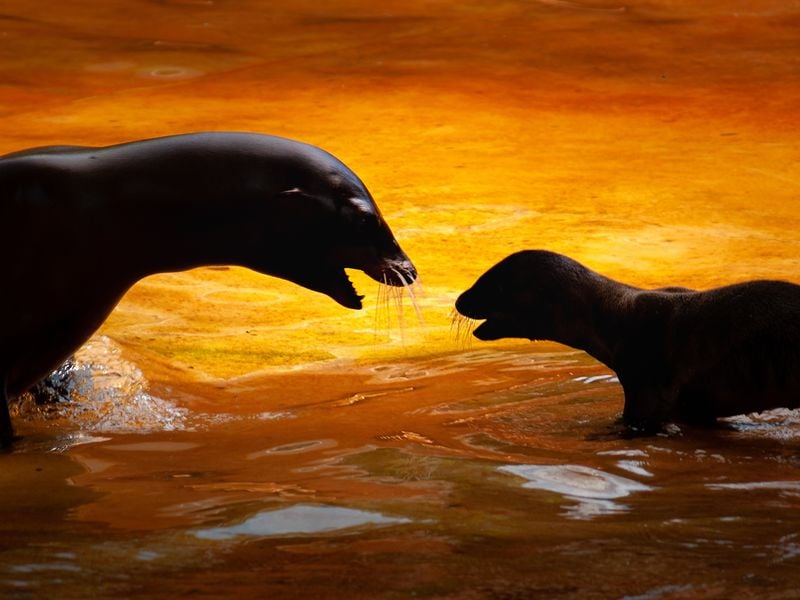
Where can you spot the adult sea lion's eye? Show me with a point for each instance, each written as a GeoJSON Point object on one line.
{"type": "Point", "coordinates": [366, 222]}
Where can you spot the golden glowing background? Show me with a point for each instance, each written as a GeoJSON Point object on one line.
{"type": "Point", "coordinates": [656, 142]}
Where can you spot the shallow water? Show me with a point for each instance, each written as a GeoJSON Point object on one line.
{"type": "Point", "coordinates": [227, 434]}
{"type": "Point", "coordinates": [481, 473]}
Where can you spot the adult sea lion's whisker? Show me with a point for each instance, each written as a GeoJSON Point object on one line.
{"type": "Point", "coordinates": [397, 293]}
{"type": "Point", "coordinates": [378, 302]}
{"type": "Point", "coordinates": [407, 285]}
{"type": "Point", "coordinates": [387, 297]}
{"type": "Point", "coordinates": [383, 303]}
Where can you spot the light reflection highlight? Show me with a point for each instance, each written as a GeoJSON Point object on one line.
{"type": "Point", "coordinates": [592, 489]}
{"type": "Point", "coordinates": [300, 519]}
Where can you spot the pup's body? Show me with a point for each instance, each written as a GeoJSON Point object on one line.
{"type": "Point", "coordinates": [679, 354]}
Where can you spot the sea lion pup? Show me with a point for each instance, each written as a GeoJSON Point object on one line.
{"type": "Point", "coordinates": [81, 225]}
{"type": "Point", "coordinates": [680, 355]}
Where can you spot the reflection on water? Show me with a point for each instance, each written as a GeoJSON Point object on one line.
{"type": "Point", "coordinates": [294, 447]}
{"type": "Point", "coordinates": [594, 490]}
{"type": "Point", "coordinates": [507, 458]}
{"type": "Point", "coordinates": [791, 487]}
{"type": "Point", "coordinates": [299, 519]}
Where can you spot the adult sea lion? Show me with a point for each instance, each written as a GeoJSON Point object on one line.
{"type": "Point", "coordinates": [81, 225]}
{"type": "Point", "coordinates": [682, 355]}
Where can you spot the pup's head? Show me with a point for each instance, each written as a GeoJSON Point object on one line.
{"type": "Point", "coordinates": [525, 295]}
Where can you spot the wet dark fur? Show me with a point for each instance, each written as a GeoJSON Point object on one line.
{"type": "Point", "coordinates": [680, 355]}
{"type": "Point", "coordinates": [81, 225]}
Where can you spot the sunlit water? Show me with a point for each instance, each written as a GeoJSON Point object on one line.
{"type": "Point", "coordinates": [231, 435]}
{"type": "Point", "coordinates": [485, 473]}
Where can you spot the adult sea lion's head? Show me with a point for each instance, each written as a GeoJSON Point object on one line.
{"type": "Point", "coordinates": [324, 220]}
{"type": "Point", "coordinates": [525, 295]}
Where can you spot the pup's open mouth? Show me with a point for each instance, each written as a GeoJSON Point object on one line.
{"type": "Point", "coordinates": [489, 330]}
{"type": "Point", "coordinates": [495, 325]}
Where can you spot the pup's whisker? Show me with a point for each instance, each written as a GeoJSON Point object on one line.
{"type": "Point", "coordinates": [463, 327]}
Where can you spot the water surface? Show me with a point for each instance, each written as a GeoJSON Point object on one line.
{"type": "Point", "coordinates": [232, 435]}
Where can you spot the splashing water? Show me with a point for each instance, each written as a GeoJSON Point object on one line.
{"type": "Point", "coordinates": [101, 392]}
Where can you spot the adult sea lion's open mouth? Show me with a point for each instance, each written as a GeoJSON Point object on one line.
{"type": "Point", "coordinates": [335, 283]}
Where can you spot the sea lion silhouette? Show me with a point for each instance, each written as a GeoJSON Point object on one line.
{"type": "Point", "coordinates": [681, 355]}
{"type": "Point", "coordinates": [81, 225]}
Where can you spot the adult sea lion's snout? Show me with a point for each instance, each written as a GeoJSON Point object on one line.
{"type": "Point", "coordinates": [366, 243]}
{"type": "Point", "coordinates": [389, 266]}
{"type": "Point", "coordinates": [396, 271]}
{"type": "Point", "coordinates": [354, 237]}
{"type": "Point", "coordinates": [323, 220]}
{"type": "Point", "coordinates": [335, 283]}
